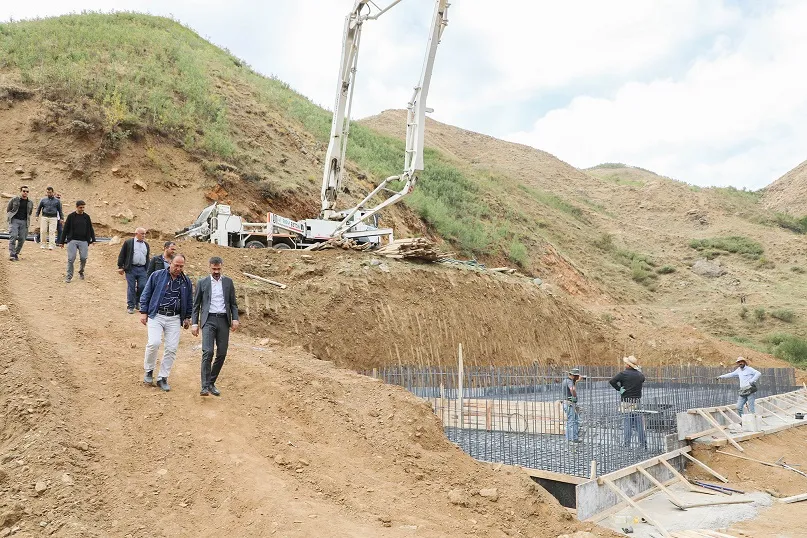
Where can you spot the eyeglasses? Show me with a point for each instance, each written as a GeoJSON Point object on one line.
{"type": "Point", "coordinates": [25, 192]}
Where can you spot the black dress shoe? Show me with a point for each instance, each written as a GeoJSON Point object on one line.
{"type": "Point", "coordinates": [204, 392]}
{"type": "Point", "coordinates": [214, 391]}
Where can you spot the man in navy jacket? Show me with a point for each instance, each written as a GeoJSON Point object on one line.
{"type": "Point", "coordinates": [166, 304]}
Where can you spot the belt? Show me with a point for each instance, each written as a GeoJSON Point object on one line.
{"type": "Point", "coordinates": [217, 314]}
{"type": "Point", "coordinates": [164, 312]}
{"type": "Point", "coordinates": [133, 265]}
{"type": "Point", "coordinates": [49, 216]}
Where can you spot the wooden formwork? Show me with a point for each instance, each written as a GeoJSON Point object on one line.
{"type": "Point", "coordinates": [517, 416]}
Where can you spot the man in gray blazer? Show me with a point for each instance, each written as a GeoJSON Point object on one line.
{"type": "Point", "coordinates": [215, 309]}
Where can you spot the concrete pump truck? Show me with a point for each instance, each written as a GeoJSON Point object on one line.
{"type": "Point", "coordinates": [218, 225]}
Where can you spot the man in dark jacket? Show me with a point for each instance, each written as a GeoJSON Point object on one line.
{"type": "Point", "coordinates": [166, 305]}
{"type": "Point", "coordinates": [132, 261]}
{"type": "Point", "coordinates": [18, 215]}
{"type": "Point", "coordinates": [78, 235]}
{"type": "Point", "coordinates": [49, 212]}
{"type": "Point", "coordinates": [162, 261]}
{"type": "Point", "coordinates": [215, 310]}
{"type": "Point", "coordinates": [629, 383]}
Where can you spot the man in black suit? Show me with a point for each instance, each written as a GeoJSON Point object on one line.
{"type": "Point", "coordinates": [215, 309]}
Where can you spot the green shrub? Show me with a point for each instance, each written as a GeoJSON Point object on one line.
{"type": "Point", "coordinates": [734, 244]}
{"type": "Point", "coordinates": [788, 347]}
{"type": "Point", "coordinates": [604, 242]}
{"type": "Point", "coordinates": [764, 263]}
{"type": "Point", "coordinates": [759, 314]}
{"type": "Point", "coordinates": [789, 222]}
{"type": "Point", "coordinates": [518, 253]}
{"type": "Point", "coordinates": [743, 312]}
{"type": "Point", "coordinates": [607, 317]}
{"type": "Point", "coordinates": [797, 269]}
{"type": "Point", "coordinates": [783, 314]}
{"type": "Point", "coordinates": [665, 270]}
{"type": "Point", "coordinates": [642, 273]}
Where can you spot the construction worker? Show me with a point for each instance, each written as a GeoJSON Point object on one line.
{"type": "Point", "coordinates": [570, 406]}
{"type": "Point", "coordinates": [748, 384]}
{"type": "Point", "coordinates": [629, 383]}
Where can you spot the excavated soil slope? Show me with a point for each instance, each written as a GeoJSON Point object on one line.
{"type": "Point", "coordinates": [293, 447]}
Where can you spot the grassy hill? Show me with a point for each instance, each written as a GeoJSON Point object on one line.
{"type": "Point", "coordinates": [116, 97]}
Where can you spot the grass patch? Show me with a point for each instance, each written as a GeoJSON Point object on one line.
{"type": "Point", "coordinates": [783, 314]}
{"type": "Point", "coordinates": [787, 347]}
{"type": "Point", "coordinates": [798, 269]}
{"type": "Point", "coordinates": [733, 244]}
{"type": "Point", "coordinates": [618, 180]}
{"type": "Point", "coordinates": [759, 314]}
{"type": "Point", "coordinates": [665, 270]}
{"type": "Point", "coordinates": [554, 201]}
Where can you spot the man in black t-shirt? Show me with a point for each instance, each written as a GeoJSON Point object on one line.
{"type": "Point", "coordinates": [629, 383]}
{"type": "Point", "coordinates": [77, 235]}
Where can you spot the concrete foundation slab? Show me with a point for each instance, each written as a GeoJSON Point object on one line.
{"type": "Point", "coordinates": [673, 519]}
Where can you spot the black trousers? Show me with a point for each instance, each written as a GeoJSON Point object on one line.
{"type": "Point", "coordinates": [216, 331]}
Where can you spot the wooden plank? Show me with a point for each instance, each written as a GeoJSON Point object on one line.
{"type": "Point", "coordinates": [272, 282]}
{"type": "Point", "coordinates": [715, 503]}
{"type": "Point", "coordinates": [593, 473]}
{"type": "Point", "coordinates": [749, 459]}
{"type": "Point", "coordinates": [774, 413]}
{"type": "Point", "coordinates": [636, 507]}
{"type": "Point", "coordinates": [706, 468]}
{"type": "Point", "coordinates": [549, 475]}
{"type": "Point", "coordinates": [714, 423]}
{"type": "Point", "coordinates": [728, 418]}
{"type": "Point", "coordinates": [701, 434]}
{"type": "Point", "coordinates": [647, 463]}
{"type": "Point", "coordinates": [676, 501]}
{"type": "Point", "coordinates": [681, 478]}
{"type": "Point", "coordinates": [794, 498]}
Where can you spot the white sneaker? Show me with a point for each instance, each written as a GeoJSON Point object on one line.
{"type": "Point", "coordinates": [42, 246]}
{"type": "Point", "coordinates": [50, 247]}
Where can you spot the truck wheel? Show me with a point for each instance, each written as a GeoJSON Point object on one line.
{"type": "Point", "coordinates": [281, 246]}
{"type": "Point", "coordinates": [255, 244]}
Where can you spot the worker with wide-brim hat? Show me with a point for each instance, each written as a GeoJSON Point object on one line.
{"type": "Point", "coordinates": [748, 384]}
{"type": "Point", "coordinates": [629, 383]}
{"type": "Point", "coordinates": [570, 405]}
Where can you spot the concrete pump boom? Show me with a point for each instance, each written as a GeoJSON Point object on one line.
{"type": "Point", "coordinates": [340, 126]}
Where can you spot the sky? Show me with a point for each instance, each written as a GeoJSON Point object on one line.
{"type": "Point", "coordinates": [711, 92]}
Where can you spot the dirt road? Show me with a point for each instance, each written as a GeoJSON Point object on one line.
{"type": "Point", "coordinates": [293, 447]}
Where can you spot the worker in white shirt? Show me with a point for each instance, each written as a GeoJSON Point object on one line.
{"type": "Point", "coordinates": [748, 384]}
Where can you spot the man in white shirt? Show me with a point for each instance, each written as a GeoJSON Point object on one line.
{"type": "Point", "coordinates": [748, 384]}
{"type": "Point", "coordinates": [215, 309]}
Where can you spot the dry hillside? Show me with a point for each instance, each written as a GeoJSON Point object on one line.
{"type": "Point", "coordinates": [788, 194]}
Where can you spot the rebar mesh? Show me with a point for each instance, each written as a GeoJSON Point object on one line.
{"type": "Point", "coordinates": [517, 415]}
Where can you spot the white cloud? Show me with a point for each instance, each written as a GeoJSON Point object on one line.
{"type": "Point", "coordinates": [708, 92]}
{"type": "Point", "coordinates": [736, 117]}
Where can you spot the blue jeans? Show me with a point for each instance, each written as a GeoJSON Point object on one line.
{"type": "Point", "coordinates": [634, 421]}
{"type": "Point", "coordinates": [572, 422]}
{"type": "Point", "coordinates": [750, 398]}
{"type": "Point", "coordinates": [135, 282]}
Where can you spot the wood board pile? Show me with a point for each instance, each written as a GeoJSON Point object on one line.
{"type": "Point", "coordinates": [346, 244]}
{"type": "Point", "coordinates": [418, 248]}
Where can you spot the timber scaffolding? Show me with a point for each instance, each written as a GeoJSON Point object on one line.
{"type": "Point", "coordinates": [516, 415]}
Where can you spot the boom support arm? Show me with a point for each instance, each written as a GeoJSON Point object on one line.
{"type": "Point", "coordinates": [415, 130]}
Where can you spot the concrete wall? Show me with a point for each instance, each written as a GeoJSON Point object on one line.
{"type": "Point", "coordinates": [593, 498]}
{"type": "Point", "coordinates": [689, 424]}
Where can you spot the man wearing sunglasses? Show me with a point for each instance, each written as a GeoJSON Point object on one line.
{"type": "Point", "coordinates": [18, 214]}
